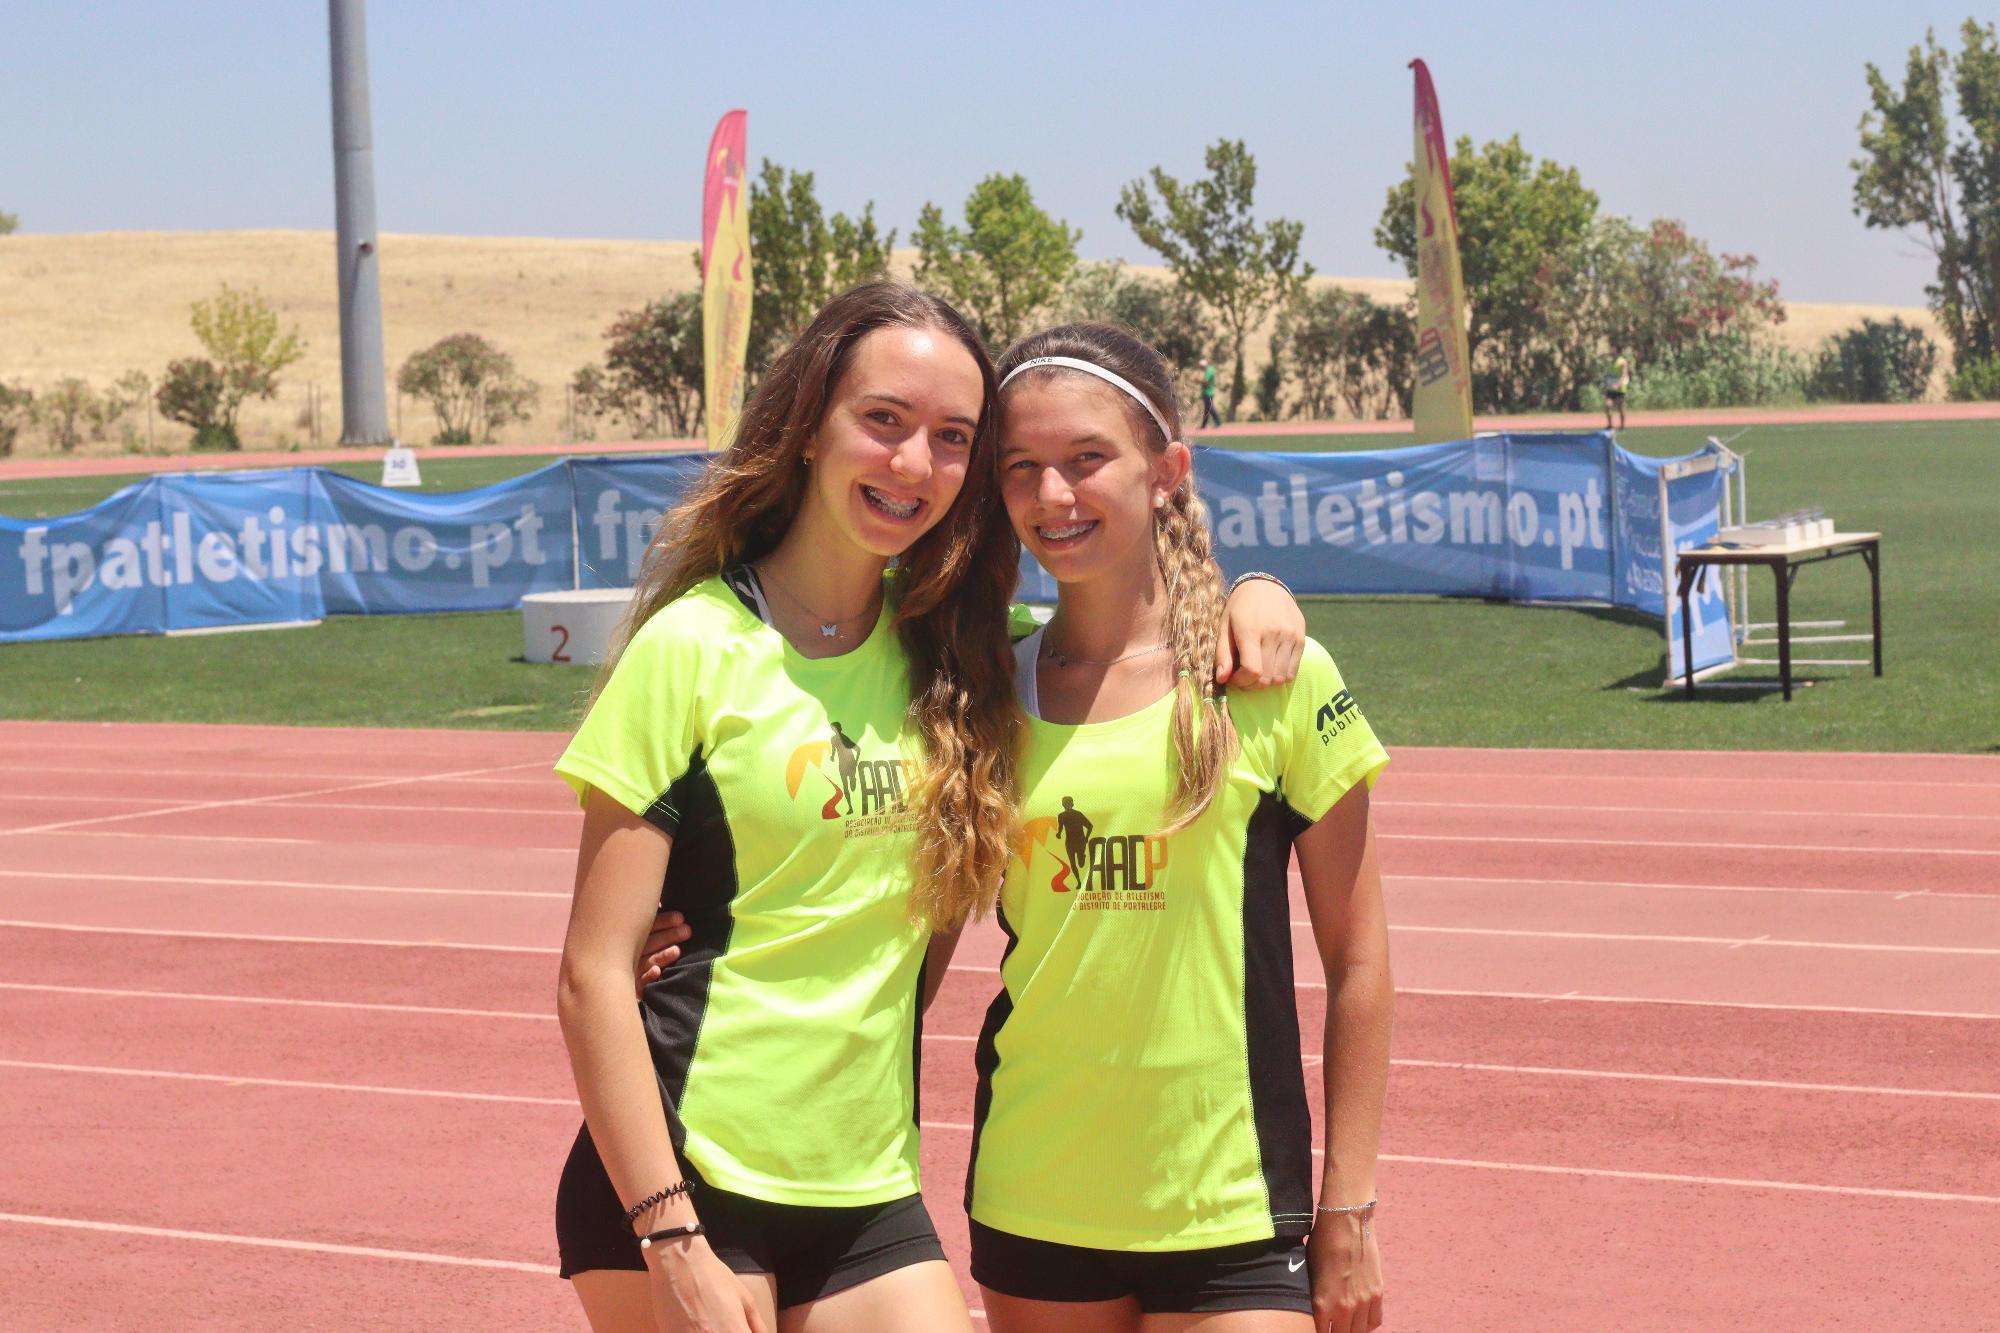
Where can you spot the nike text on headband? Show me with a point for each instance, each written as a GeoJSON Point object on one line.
{"type": "Point", "coordinates": [1107, 376]}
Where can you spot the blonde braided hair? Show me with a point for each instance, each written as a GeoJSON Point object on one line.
{"type": "Point", "coordinates": [1204, 735]}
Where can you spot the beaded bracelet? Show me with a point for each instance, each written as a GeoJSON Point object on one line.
{"type": "Point", "coordinates": [658, 1196]}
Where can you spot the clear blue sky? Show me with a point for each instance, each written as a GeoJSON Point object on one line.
{"type": "Point", "coordinates": [534, 119]}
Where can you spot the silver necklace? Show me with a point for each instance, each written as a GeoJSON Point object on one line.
{"type": "Point", "coordinates": [828, 628]}
{"type": "Point", "coordinates": [1064, 659]}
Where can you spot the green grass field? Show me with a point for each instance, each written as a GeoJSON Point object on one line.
{"type": "Point", "coordinates": [1430, 671]}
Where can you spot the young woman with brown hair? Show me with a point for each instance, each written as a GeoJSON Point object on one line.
{"type": "Point", "coordinates": [811, 757]}
{"type": "Point", "coordinates": [1150, 1169]}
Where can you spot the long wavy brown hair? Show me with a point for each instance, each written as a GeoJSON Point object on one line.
{"type": "Point", "coordinates": [1204, 735]}
{"type": "Point", "coordinates": [949, 594]}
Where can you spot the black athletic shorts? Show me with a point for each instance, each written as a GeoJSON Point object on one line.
{"type": "Point", "coordinates": [1262, 1275]}
{"type": "Point", "coordinates": [814, 1252]}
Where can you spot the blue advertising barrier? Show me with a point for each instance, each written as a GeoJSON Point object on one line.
{"type": "Point", "coordinates": [1518, 517]}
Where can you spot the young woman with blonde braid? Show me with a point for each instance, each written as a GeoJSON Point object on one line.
{"type": "Point", "coordinates": [1142, 1155]}
{"type": "Point", "coordinates": [810, 759]}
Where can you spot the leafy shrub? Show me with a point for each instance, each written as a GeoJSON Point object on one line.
{"type": "Point", "coordinates": [1721, 370]}
{"type": "Point", "coordinates": [191, 392]}
{"type": "Point", "coordinates": [1877, 362]}
{"type": "Point", "coordinates": [1977, 381]}
{"type": "Point", "coordinates": [471, 386]}
{"type": "Point", "coordinates": [65, 410]}
{"type": "Point", "coordinates": [17, 409]}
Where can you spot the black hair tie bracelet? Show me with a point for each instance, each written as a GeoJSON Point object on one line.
{"type": "Point", "coordinates": [651, 1238]}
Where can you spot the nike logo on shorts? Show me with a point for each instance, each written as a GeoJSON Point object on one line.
{"type": "Point", "coordinates": [1295, 1264]}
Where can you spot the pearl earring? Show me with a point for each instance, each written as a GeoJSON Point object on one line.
{"type": "Point", "coordinates": [1159, 502]}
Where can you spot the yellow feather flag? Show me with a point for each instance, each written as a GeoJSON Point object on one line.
{"type": "Point", "coordinates": [1441, 408]}
{"type": "Point", "coordinates": [725, 277]}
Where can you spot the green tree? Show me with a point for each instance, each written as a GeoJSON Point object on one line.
{"type": "Point", "coordinates": [191, 393]}
{"type": "Point", "coordinates": [8, 221]}
{"type": "Point", "coordinates": [239, 329]}
{"type": "Point", "coordinates": [652, 374]}
{"type": "Point", "coordinates": [1163, 314]}
{"type": "Point", "coordinates": [1514, 213]}
{"type": "Point", "coordinates": [1239, 269]}
{"type": "Point", "coordinates": [471, 385]}
{"type": "Point", "coordinates": [1922, 174]}
{"type": "Point", "coordinates": [1649, 293]}
{"type": "Point", "coordinates": [1346, 351]}
{"type": "Point", "coordinates": [803, 259]}
{"type": "Point", "coordinates": [1005, 265]}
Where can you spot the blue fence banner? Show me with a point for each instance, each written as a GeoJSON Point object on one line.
{"type": "Point", "coordinates": [241, 549]}
{"type": "Point", "coordinates": [105, 570]}
{"type": "Point", "coordinates": [1526, 518]}
{"type": "Point", "coordinates": [1517, 517]}
{"type": "Point", "coordinates": [1694, 506]}
{"type": "Point", "coordinates": [618, 505]}
{"type": "Point", "coordinates": [395, 552]}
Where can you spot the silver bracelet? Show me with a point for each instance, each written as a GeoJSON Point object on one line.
{"type": "Point", "coordinates": [1242, 579]}
{"type": "Point", "coordinates": [1368, 1207]}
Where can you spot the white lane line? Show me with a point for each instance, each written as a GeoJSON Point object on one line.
{"type": "Point", "coordinates": [973, 969]}
{"type": "Point", "coordinates": [1663, 1177]}
{"type": "Point", "coordinates": [304, 803]}
{"type": "Point", "coordinates": [301, 803]}
{"type": "Point", "coordinates": [180, 837]}
{"type": "Point", "coordinates": [1308, 985]}
{"type": "Point", "coordinates": [204, 997]}
{"type": "Point", "coordinates": [1685, 845]}
{"type": "Point", "coordinates": [275, 1243]}
{"type": "Point", "coordinates": [278, 884]}
{"type": "Point", "coordinates": [244, 1080]}
{"type": "Point", "coordinates": [568, 852]}
{"type": "Point", "coordinates": [1731, 941]}
{"type": "Point", "coordinates": [193, 807]}
{"type": "Point", "coordinates": [1893, 895]}
{"type": "Point", "coordinates": [1310, 1058]}
{"type": "Point", "coordinates": [1705, 779]}
{"type": "Point", "coordinates": [275, 939]}
{"type": "Point", "coordinates": [1563, 807]}
{"type": "Point", "coordinates": [225, 770]}
{"type": "Point", "coordinates": [1546, 1071]}
{"type": "Point", "coordinates": [1675, 1178]}
{"type": "Point", "coordinates": [1578, 997]}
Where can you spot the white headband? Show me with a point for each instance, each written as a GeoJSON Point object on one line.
{"type": "Point", "coordinates": [1108, 377]}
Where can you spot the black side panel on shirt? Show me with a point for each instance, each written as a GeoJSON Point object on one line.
{"type": "Point", "coordinates": [1271, 1018]}
{"type": "Point", "coordinates": [701, 885]}
{"type": "Point", "coordinates": [917, 1053]}
{"type": "Point", "coordinates": [742, 580]}
{"type": "Point", "coordinates": [986, 1055]}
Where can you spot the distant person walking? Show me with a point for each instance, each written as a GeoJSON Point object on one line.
{"type": "Point", "coordinates": [1615, 384]}
{"type": "Point", "coordinates": [1208, 412]}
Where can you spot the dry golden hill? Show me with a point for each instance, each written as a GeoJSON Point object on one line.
{"type": "Point", "coordinates": [99, 304]}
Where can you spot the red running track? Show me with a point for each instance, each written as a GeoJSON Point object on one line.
{"type": "Point", "coordinates": [1676, 1032]}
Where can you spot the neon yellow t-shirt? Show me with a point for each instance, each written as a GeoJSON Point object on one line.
{"type": "Point", "coordinates": [785, 1036]}
{"type": "Point", "coordinates": [1140, 1080]}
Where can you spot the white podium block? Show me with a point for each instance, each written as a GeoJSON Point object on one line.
{"type": "Point", "coordinates": [571, 628]}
